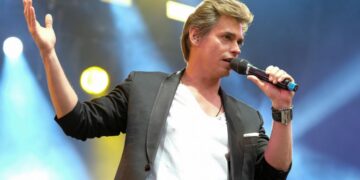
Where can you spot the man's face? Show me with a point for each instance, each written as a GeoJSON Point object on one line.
{"type": "Point", "coordinates": [221, 45]}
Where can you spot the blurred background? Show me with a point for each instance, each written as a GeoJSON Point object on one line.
{"type": "Point", "coordinates": [318, 42]}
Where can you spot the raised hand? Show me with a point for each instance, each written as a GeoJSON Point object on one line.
{"type": "Point", "coordinates": [63, 97]}
{"type": "Point", "coordinates": [44, 37]}
{"type": "Point", "coordinates": [280, 98]}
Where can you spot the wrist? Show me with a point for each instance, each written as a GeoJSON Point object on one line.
{"type": "Point", "coordinates": [282, 115]}
{"type": "Point", "coordinates": [45, 54]}
{"type": "Point", "coordinates": [283, 105]}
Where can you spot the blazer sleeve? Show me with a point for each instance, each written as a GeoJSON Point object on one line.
{"type": "Point", "coordinates": [263, 170]}
{"type": "Point", "coordinates": [104, 116]}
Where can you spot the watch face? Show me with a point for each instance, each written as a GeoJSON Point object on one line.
{"type": "Point", "coordinates": [282, 116]}
{"type": "Point", "coordinates": [286, 116]}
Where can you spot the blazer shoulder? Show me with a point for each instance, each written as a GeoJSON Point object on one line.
{"type": "Point", "coordinates": [147, 76]}
{"type": "Point", "coordinates": [149, 73]}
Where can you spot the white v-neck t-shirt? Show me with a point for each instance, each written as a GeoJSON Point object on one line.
{"type": "Point", "coordinates": [194, 145]}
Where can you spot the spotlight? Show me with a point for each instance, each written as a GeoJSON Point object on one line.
{"type": "Point", "coordinates": [119, 2]}
{"type": "Point", "coordinates": [94, 80]}
{"type": "Point", "coordinates": [13, 47]}
{"type": "Point", "coordinates": [178, 11]}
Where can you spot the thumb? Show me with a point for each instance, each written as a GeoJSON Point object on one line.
{"type": "Point", "coordinates": [48, 21]}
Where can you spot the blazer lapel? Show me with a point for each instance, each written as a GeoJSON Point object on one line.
{"type": "Point", "coordinates": [235, 133]}
{"type": "Point", "coordinates": [159, 114]}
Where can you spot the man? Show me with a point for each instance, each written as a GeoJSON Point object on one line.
{"type": "Point", "coordinates": [180, 126]}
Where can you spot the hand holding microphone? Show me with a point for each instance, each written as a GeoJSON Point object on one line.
{"type": "Point", "coordinates": [242, 66]}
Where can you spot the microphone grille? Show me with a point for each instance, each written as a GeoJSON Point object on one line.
{"type": "Point", "coordinates": [239, 65]}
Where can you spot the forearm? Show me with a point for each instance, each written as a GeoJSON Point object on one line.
{"type": "Point", "coordinates": [279, 150]}
{"type": "Point", "coordinates": [62, 95]}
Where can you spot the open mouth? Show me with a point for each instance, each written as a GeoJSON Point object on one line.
{"type": "Point", "coordinates": [228, 60]}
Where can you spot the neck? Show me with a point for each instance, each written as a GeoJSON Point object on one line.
{"type": "Point", "coordinates": [204, 85]}
{"type": "Point", "coordinates": [201, 81]}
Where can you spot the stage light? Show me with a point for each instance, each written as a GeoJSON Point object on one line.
{"type": "Point", "coordinates": [178, 11]}
{"type": "Point", "coordinates": [31, 133]}
{"type": "Point", "coordinates": [94, 80]}
{"type": "Point", "coordinates": [120, 2]}
{"type": "Point", "coordinates": [12, 47]}
{"type": "Point", "coordinates": [129, 23]}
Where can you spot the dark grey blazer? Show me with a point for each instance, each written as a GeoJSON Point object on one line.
{"type": "Point", "coordinates": [139, 107]}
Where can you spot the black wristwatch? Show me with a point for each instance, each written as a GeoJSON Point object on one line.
{"type": "Point", "coordinates": [284, 116]}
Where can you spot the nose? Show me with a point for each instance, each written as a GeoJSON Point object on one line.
{"type": "Point", "coordinates": [235, 49]}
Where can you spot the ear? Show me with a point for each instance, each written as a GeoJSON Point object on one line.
{"type": "Point", "coordinates": [194, 36]}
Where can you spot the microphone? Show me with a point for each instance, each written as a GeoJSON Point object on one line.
{"type": "Point", "coordinates": [243, 67]}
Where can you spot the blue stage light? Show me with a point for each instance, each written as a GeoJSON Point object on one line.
{"type": "Point", "coordinates": [32, 145]}
{"type": "Point", "coordinates": [135, 44]}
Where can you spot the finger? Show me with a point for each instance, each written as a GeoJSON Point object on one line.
{"type": "Point", "coordinates": [277, 75]}
{"type": "Point", "coordinates": [31, 13]}
{"type": "Point", "coordinates": [48, 21]}
{"type": "Point", "coordinates": [286, 76]}
{"type": "Point", "coordinates": [32, 18]}
{"type": "Point", "coordinates": [271, 70]}
{"type": "Point", "coordinates": [27, 5]}
{"type": "Point", "coordinates": [267, 70]}
{"type": "Point", "coordinates": [28, 14]}
{"type": "Point", "coordinates": [26, 11]}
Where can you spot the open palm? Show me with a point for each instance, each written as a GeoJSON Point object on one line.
{"type": "Point", "coordinates": [44, 37]}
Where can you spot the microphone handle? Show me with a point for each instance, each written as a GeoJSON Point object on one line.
{"type": "Point", "coordinates": [265, 77]}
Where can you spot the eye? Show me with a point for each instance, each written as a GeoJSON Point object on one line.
{"type": "Point", "coordinates": [227, 37]}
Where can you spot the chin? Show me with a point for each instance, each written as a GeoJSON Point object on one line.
{"type": "Point", "coordinates": [225, 73]}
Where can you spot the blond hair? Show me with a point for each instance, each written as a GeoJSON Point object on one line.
{"type": "Point", "coordinates": [206, 16]}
